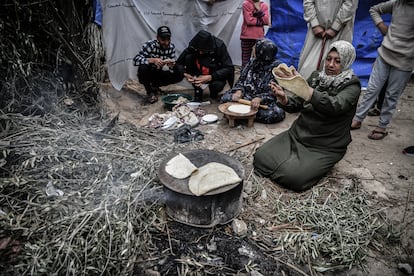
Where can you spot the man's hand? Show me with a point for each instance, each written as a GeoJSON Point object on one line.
{"type": "Point", "coordinates": [189, 78]}
{"type": "Point", "coordinates": [156, 61]}
{"type": "Point", "coordinates": [383, 28]}
{"type": "Point", "coordinates": [169, 62]}
{"type": "Point", "coordinates": [202, 79]}
{"type": "Point", "coordinates": [330, 33]}
{"type": "Point", "coordinates": [237, 96]}
{"type": "Point", "coordinates": [318, 31]}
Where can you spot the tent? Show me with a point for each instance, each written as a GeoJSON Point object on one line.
{"type": "Point", "coordinates": [127, 24]}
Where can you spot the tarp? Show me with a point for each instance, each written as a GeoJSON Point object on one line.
{"type": "Point", "coordinates": [127, 24]}
{"type": "Point", "coordinates": [97, 12]}
{"type": "Point", "coordinates": [289, 29]}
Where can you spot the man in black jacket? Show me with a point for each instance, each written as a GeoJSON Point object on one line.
{"type": "Point", "coordinates": [207, 62]}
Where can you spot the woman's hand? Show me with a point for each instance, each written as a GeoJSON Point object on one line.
{"type": "Point", "coordinates": [255, 103]}
{"type": "Point", "coordinates": [279, 93]}
{"type": "Point", "coordinates": [237, 96]}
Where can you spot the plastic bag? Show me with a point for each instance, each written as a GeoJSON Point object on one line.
{"type": "Point", "coordinates": [187, 134]}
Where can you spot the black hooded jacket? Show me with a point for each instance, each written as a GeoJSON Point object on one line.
{"type": "Point", "coordinates": [215, 57]}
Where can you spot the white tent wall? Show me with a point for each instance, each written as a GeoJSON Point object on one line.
{"type": "Point", "coordinates": [127, 24]}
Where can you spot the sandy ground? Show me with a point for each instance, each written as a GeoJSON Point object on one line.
{"type": "Point", "coordinates": [383, 170]}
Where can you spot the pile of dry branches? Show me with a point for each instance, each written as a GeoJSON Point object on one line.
{"type": "Point", "coordinates": [331, 227]}
{"type": "Point", "coordinates": [47, 40]}
{"type": "Point", "coordinates": [78, 197]}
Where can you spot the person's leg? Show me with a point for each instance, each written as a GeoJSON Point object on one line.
{"type": "Point", "coordinates": [215, 88]}
{"type": "Point", "coordinates": [305, 168]}
{"type": "Point", "coordinates": [274, 152]}
{"type": "Point", "coordinates": [381, 96]}
{"type": "Point", "coordinates": [273, 114]}
{"type": "Point", "coordinates": [396, 84]}
{"type": "Point", "coordinates": [378, 77]}
{"type": "Point", "coordinates": [375, 110]}
{"type": "Point", "coordinates": [246, 49]}
{"type": "Point", "coordinates": [145, 76]}
{"type": "Point", "coordinates": [168, 77]}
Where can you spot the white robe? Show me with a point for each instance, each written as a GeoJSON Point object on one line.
{"type": "Point", "coordinates": [336, 14]}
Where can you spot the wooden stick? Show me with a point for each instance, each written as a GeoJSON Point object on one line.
{"type": "Point", "coordinates": [246, 144]}
{"type": "Point", "coordinates": [321, 53]}
{"type": "Point", "coordinates": [247, 102]}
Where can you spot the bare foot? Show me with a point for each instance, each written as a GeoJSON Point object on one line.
{"type": "Point", "coordinates": [355, 125]}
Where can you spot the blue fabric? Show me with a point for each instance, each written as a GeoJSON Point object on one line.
{"type": "Point", "coordinates": [288, 31]}
{"type": "Point", "coordinates": [97, 15]}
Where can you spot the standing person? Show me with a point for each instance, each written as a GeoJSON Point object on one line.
{"type": "Point", "coordinates": [328, 21]}
{"type": "Point", "coordinates": [253, 84]}
{"type": "Point", "coordinates": [255, 16]}
{"type": "Point", "coordinates": [299, 157]}
{"type": "Point", "coordinates": [156, 64]}
{"type": "Point", "coordinates": [207, 62]}
{"type": "Point", "coordinates": [395, 63]}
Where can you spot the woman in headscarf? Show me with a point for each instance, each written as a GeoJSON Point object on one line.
{"type": "Point", "coordinates": [299, 157]}
{"type": "Point", "coordinates": [253, 84]}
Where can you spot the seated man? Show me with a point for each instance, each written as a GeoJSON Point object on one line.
{"type": "Point", "coordinates": [299, 157]}
{"type": "Point", "coordinates": [156, 64]}
{"type": "Point", "coordinates": [207, 62]}
{"type": "Point", "coordinates": [253, 84]}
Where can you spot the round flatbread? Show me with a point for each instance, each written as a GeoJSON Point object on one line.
{"type": "Point", "coordinates": [294, 83]}
{"type": "Point", "coordinates": [180, 167]}
{"type": "Point", "coordinates": [212, 176]}
{"type": "Point", "coordinates": [239, 108]}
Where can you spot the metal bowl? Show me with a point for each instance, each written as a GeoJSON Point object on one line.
{"type": "Point", "coordinates": [170, 99]}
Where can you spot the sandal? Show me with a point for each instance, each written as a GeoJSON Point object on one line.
{"type": "Point", "coordinates": [377, 135]}
{"type": "Point", "coordinates": [409, 151]}
{"type": "Point", "coordinates": [152, 98]}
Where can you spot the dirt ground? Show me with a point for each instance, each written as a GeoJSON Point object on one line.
{"type": "Point", "coordinates": [383, 170]}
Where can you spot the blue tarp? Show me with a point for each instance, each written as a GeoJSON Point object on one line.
{"type": "Point", "coordinates": [289, 29]}
{"type": "Point", "coordinates": [97, 15]}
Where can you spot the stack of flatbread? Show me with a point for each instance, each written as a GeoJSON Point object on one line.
{"type": "Point", "coordinates": [289, 78]}
{"type": "Point", "coordinates": [204, 179]}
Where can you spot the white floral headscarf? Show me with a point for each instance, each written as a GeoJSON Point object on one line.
{"type": "Point", "coordinates": [347, 55]}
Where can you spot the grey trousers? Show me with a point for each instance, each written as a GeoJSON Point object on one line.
{"type": "Point", "coordinates": [397, 80]}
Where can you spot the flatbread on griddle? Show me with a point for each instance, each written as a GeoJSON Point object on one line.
{"type": "Point", "coordinates": [180, 167]}
{"type": "Point", "coordinates": [212, 176]}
